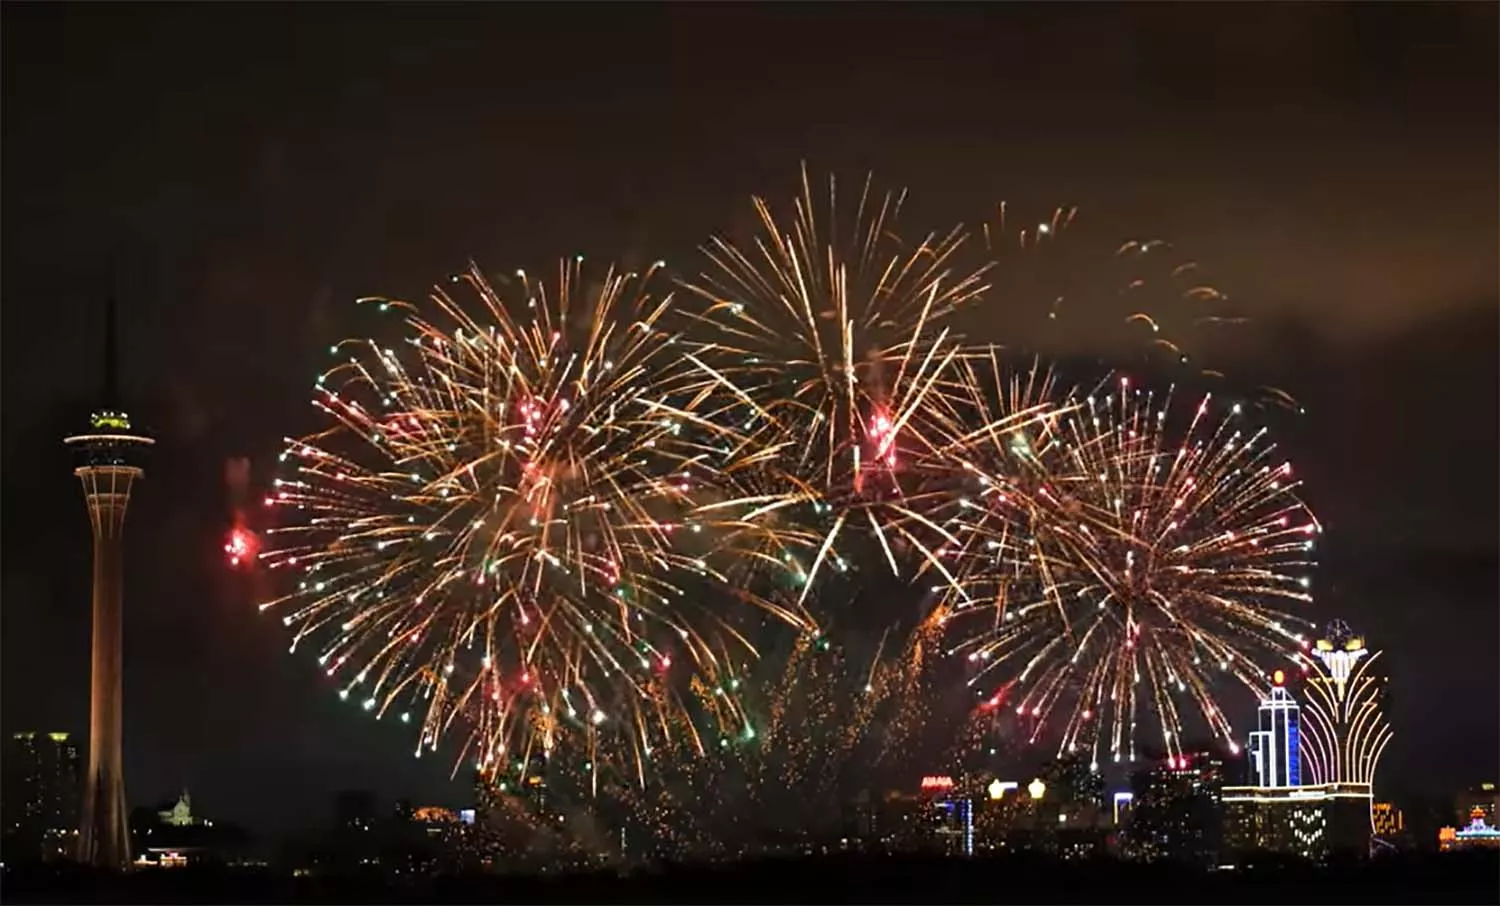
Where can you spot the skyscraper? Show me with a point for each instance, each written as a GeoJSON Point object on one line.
{"type": "Point", "coordinates": [1275, 757]}
{"type": "Point", "coordinates": [535, 785]}
{"type": "Point", "coordinates": [1344, 726]}
{"type": "Point", "coordinates": [41, 795]}
{"type": "Point", "coordinates": [1177, 809]}
{"type": "Point", "coordinates": [954, 824]}
{"type": "Point", "coordinates": [109, 456]}
{"type": "Point", "coordinates": [1340, 733]}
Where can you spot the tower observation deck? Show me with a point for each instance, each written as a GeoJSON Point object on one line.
{"type": "Point", "coordinates": [109, 461]}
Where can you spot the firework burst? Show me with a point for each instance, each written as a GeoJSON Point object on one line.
{"type": "Point", "coordinates": [827, 340]}
{"type": "Point", "coordinates": [500, 526]}
{"type": "Point", "coordinates": [1111, 574]}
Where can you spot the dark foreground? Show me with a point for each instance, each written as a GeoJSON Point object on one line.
{"type": "Point", "coordinates": [1469, 878]}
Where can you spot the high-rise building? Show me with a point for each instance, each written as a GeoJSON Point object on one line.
{"type": "Point", "coordinates": [42, 791]}
{"type": "Point", "coordinates": [954, 825]}
{"type": "Point", "coordinates": [1334, 740]}
{"type": "Point", "coordinates": [1275, 760]}
{"type": "Point", "coordinates": [109, 463]}
{"type": "Point", "coordinates": [935, 818]}
{"type": "Point", "coordinates": [1343, 721]}
{"type": "Point", "coordinates": [1177, 814]}
{"type": "Point", "coordinates": [1344, 728]}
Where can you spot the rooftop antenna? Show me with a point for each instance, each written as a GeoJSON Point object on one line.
{"type": "Point", "coordinates": [111, 399]}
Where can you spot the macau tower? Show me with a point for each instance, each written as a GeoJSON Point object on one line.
{"type": "Point", "coordinates": [109, 457]}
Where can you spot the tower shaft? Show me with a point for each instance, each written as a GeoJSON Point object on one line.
{"type": "Point", "coordinates": [104, 837]}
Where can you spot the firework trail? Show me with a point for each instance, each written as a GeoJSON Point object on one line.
{"type": "Point", "coordinates": [828, 340]}
{"type": "Point", "coordinates": [1137, 303]}
{"type": "Point", "coordinates": [500, 524]}
{"type": "Point", "coordinates": [780, 774]}
{"type": "Point", "coordinates": [1113, 574]}
{"type": "Point", "coordinates": [827, 723]}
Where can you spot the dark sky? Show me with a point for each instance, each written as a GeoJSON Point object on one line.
{"type": "Point", "coordinates": [239, 174]}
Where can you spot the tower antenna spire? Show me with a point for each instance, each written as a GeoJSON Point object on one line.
{"type": "Point", "coordinates": [111, 354]}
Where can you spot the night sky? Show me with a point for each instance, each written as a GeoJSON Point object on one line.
{"type": "Point", "coordinates": [238, 175]}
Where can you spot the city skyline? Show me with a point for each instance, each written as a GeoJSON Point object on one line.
{"type": "Point", "coordinates": [1263, 777]}
{"type": "Point", "coordinates": [1184, 809]}
{"type": "Point", "coordinates": [228, 313]}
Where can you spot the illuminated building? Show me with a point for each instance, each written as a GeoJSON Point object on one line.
{"type": "Point", "coordinates": [435, 820]}
{"type": "Point", "coordinates": [1338, 735]}
{"type": "Point", "coordinates": [1309, 822]}
{"type": "Point", "coordinates": [935, 818]}
{"type": "Point", "coordinates": [1124, 806]}
{"type": "Point", "coordinates": [109, 464]}
{"type": "Point", "coordinates": [1344, 730]}
{"type": "Point", "coordinates": [1177, 812]}
{"type": "Point", "coordinates": [1484, 797]}
{"type": "Point", "coordinates": [41, 795]}
{"type": "Point", "coordinates": [422, 840]}
{"type": "Point", "coordinates": [172, 836]}
{"type": "Point", "coordinates": [955, 825]}
{"type": "Point", "coordinates": [160, 857]}
{"type": "Point", "coordinates": [1477, 834]}
{"type": "Point", "coordinates": [1271, 820]}
{"type": "Point", "coordinates": [1387, 820]}
{"type": "Point", "coordinates": [180, 814]}
{"type": "Point", "coordinates": [1274, 748]}
{"type": "Point", "coordinates": [949, 818]}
